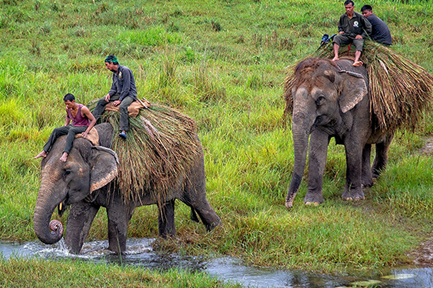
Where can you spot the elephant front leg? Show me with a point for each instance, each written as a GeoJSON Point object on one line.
{"type": "Point", "coordinates": [353, 190]}
{"type": "Point", "coordinates": [79, 222]}
{"type": "Point", "coordinates": [166, 225]}
{"type": "Point", "coordinates": [317, 158]}
{"type": "Point", "coordinates": [118, 215]}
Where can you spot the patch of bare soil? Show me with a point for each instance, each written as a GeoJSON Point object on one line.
{"type": "Point", "coordinates": [424, 255]}
{"type": "Point", "coordinates": [428, 147]}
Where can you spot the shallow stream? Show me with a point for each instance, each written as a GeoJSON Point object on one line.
{"type": "Point", "coordinates": [140, 253]}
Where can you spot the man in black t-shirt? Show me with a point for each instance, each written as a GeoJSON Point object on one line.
{"type": "Point", "coordinates": [380, 32]}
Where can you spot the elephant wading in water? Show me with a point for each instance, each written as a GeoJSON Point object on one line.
{"type": "Point", "coordinates": [330, 99]}
{"type": "Point", "coordinates": [84, 181]}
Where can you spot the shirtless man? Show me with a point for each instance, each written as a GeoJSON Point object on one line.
{"type": "Point", "coordinates": [82, 122]}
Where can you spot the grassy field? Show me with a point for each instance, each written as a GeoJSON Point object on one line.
{"type": "Point", "coordinates": [222, 63]}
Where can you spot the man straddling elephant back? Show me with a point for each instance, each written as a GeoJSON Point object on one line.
{"type": "Point", "coordinates": [352, 28]}
{"type": "Point", "coordinates": [82, 122]}
{"type": "Point", "coordinates": [123, 92]}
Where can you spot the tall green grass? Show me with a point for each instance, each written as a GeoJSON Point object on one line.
{"type": "Point", "coordinates": [225, 72]}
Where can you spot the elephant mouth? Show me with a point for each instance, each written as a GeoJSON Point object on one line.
{"type": "Point", "coordinates": [63, 205]}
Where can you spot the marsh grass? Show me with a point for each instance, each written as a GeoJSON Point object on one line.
{"type": "Point", "coordinates": [231, 84]}
{"type": "Point", "coordinates": [40, 273]}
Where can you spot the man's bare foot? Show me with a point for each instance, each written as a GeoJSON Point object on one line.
{"type": "Point", "coordinates": [335, 59]}
{"type": "Point", "coordinates": [357, 63]}
{"type": "Point", "coordinates": [42, 154]}
{"type": "Point", "coordinates": [64, 157]}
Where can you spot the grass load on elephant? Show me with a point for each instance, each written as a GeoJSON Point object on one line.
{"type": "Point", "coordinates": [399, 89]}
{"type": "Point", "coordinates": [160, 147]}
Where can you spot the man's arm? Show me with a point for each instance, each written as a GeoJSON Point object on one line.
{"type": "Point", "coordinates": [86, 112]}
{"type": "Point", "coordinates": [67, 119]}
{"type": "Point", "coordinates": [341, 24]}
{"type": "Point", "coordinates": [367, 27]}
{"type": "Point", "coordinates": [113, 89]}
{"type": "Point", "coordinates": [126, 84]}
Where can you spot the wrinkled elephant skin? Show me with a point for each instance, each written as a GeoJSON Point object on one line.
{"type": "Point", "coordinates": [83, 182]}
{"type": "Point", "coordinates": [330, 99]}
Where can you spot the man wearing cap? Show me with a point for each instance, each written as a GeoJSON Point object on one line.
{"type": "Point", "coordinates": [122, 93]}
{"type": "Point", "coordinates": [352, 28]}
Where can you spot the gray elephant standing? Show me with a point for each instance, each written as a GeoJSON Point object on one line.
{"type": "Point", "coordinates": [330, 99]}
{"type": "Point", "coordinates": [83, 182]}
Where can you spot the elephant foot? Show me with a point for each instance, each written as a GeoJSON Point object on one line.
{"type": "Point", "coordinates": [353, 195]}
{"type": "Point", "coordinates": [367, 183]}
{"type": "Point", "coordinates": [313, 199]}
{"type": "Point", "coordinates": [312, 203]}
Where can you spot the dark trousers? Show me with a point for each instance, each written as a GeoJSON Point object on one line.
{"type": "Point", "coordinates": [69, 130]}
{"type": "Point", "coordinates": [123, 109]}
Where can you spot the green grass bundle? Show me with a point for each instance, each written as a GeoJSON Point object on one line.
{"type": "Point", "coordinates": [400, 90]}
{"type": "Point", "coordinates": [161, 146]}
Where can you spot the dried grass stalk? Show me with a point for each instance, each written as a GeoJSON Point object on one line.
{"type": "Point", "coordinates": [400, 90]}
{"type": "Point", "coordinates": [161, 146]}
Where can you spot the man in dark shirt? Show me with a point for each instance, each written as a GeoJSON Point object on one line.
{"type": "Point", "coordinates": [380, 31]}
{"type": "Point", "coordinates": [352, 28]}
{"type": "Point", "coordinates": [123, 92]}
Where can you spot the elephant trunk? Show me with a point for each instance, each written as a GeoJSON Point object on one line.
{"type": "Point", "coordinates": [301, 130]}
{"type": "Point", "coordinates": [48, 232]}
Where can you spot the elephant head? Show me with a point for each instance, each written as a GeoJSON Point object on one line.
{"type": "Point", "coordinates": [323, 96]}
{"type": "Point", "coordinates": [88, 168]}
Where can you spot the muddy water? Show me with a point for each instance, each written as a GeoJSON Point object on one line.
{"type": "Point", "coordinates": [140, 253]}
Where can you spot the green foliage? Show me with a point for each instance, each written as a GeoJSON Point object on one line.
{"type": "Point", "coordinates": [225, 72]}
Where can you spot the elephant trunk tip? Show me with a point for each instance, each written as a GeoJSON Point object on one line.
{"type": "Point", "coordinates": [56, 227]}
{"type": "Point", "coordinates": [54, 235]}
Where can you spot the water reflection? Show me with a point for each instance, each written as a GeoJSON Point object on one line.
{"type": "Point", "coordinates": [140, 253]}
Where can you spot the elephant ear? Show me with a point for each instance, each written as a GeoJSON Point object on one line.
{"type": "Point", "coordinates": [353, 88]}
{"type": "Point", "coordinates": [104, 167]}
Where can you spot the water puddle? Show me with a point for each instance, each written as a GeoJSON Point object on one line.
{"type": "Point", "coordinates": [140, 253]}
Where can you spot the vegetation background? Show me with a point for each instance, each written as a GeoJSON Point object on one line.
{"type": "Point", "coordinates": [223, 63]}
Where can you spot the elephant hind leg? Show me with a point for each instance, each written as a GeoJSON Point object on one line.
{"type": "Point", "coordinates": [381, 158]}
{"type": "Point", "coordinates": [367, 177]}
{"type": "Point", "coordinates": [166, 225]}
{"type": "Point", "coordinates": [207, 214]}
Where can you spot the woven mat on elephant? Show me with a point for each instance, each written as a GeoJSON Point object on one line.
{"type": "Point", "coordinates": [161, 146]}
{"type": "Point", "coordinates": [400, 90]}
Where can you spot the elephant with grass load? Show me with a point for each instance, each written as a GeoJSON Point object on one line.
{"type": "Point", "coordinates": [87, 181]}
{"type": "Point", "coordinates": [330, 99]}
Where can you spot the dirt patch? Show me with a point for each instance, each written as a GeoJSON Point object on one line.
{"type": "Point", "coordinates": [428, 147]}
{"type": "Point", "coordinates": [423, 256]}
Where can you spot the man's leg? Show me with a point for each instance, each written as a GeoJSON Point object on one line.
{"type": "Point", "coordinates": [100, 107]}
{"type": "Point", "coordinates": [124, 116]}
{"type": "Point", "coordinates": [57, 132]}
{"type": "Point", "coordinates": [73, 130]}
{"type": "Point", "coordinates": [359, 44]}
{"type": "Point", "coordinates": [336, 48]}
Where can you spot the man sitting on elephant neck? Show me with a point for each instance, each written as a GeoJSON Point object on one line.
{"type": "Point", "coordinates": [82, 122]}
{"type": "Point", "coordinates": [123, 92]}
{"type": "Point", "coordinates": [353, 28]}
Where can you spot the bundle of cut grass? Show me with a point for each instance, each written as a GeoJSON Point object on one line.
{"type": "Point", "coordinates": [161, 146]}
{"type": "Point", "coordinates": [400, 90]}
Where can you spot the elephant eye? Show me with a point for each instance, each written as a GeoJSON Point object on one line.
{"type": "Point", "coordinates": [319, 100]}
{"type": "Point", "coordinates": [67, 172]}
